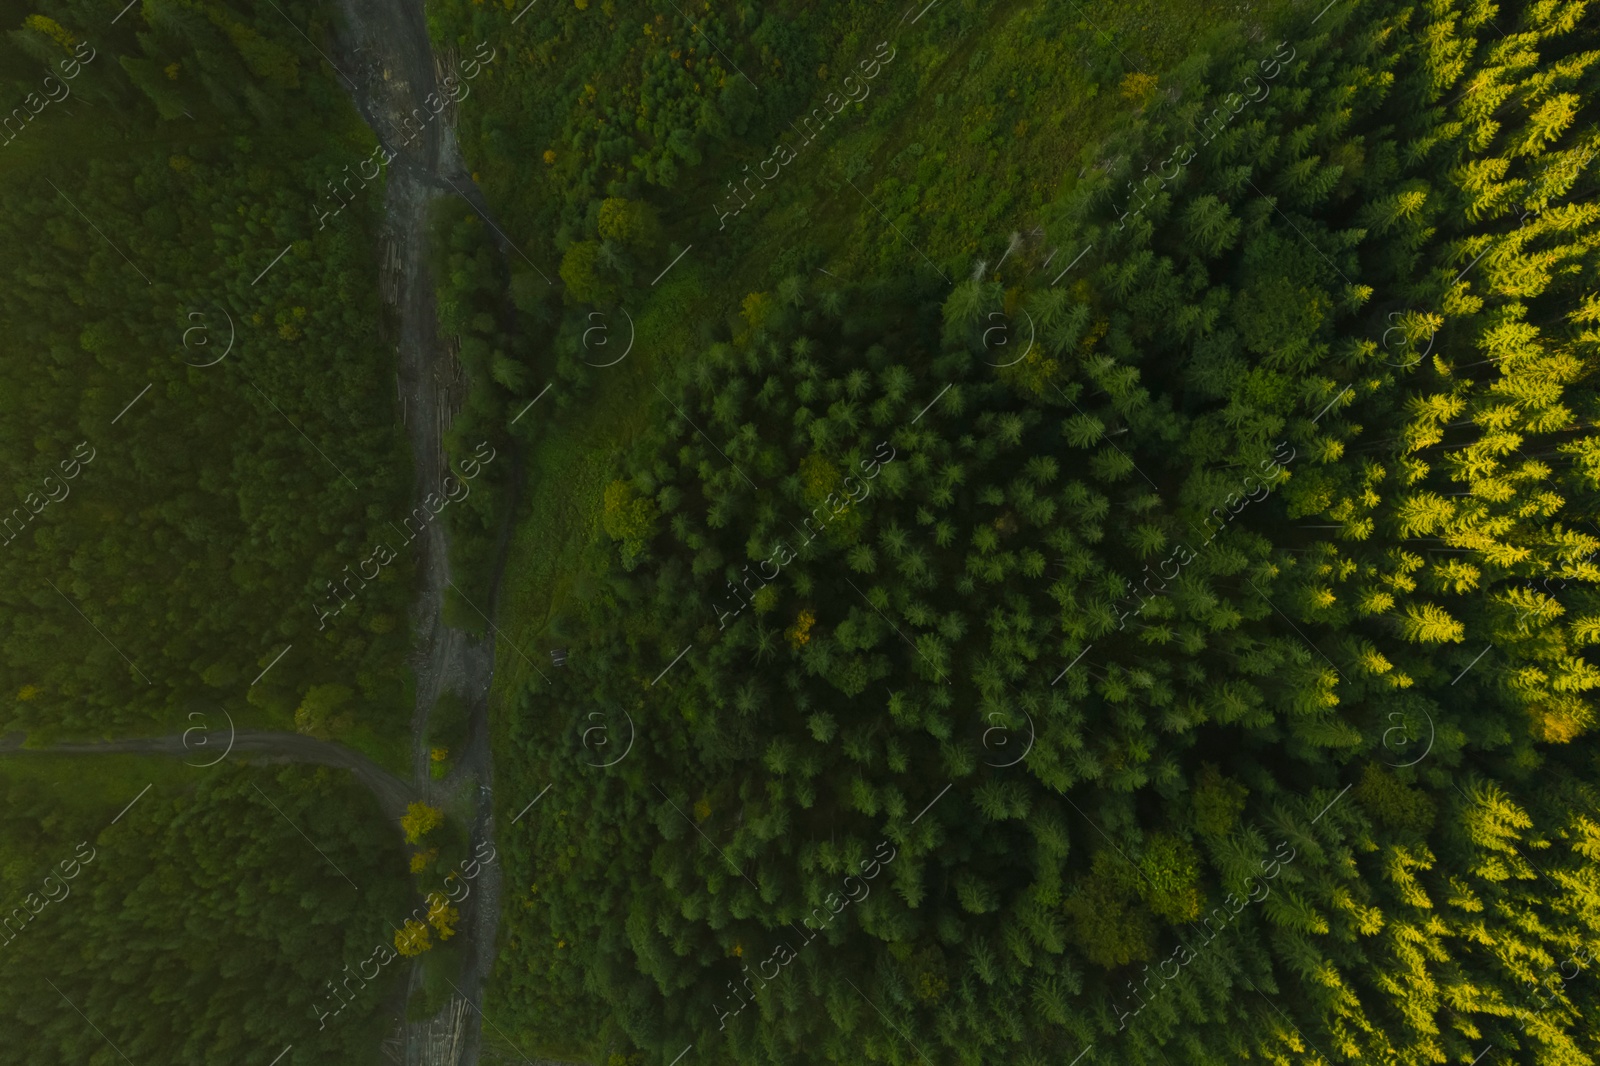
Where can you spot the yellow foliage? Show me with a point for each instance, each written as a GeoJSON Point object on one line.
{"type": "Point", "coordinates": [51, 29]}
{"type": "Point", "coordinates": [931, 986]}
{"type": "Point", "coordinates": [757, 309]}
{"type": "Point", "coordinates": [1374, 601]}
{"type": "Point", "coordinates": [1585, 630]}
{"type": "Point", "coordinates": [439, 754]}
{"type": "Point", "coordinates": [28, 692]}
{"type": "Point", "coordinates": [800, 633]}
{"type": "Point", "coordinates": [1032, 373]}
{"type": "Point", "coordinates": [1138, 87]}
{"type": "Point", "coordinates": [628, 517]}
{"type": "Point", "coordinates": [421, 860]}
{"type": "Point", "coordinates": [702, 809]}
{"type": "Point", "coordinates": [413, 939]}
{"type": "Point", "coordinates": [1431, 624]}
{"type": "Point", "coordinates": [420, 820]}
{"type": "Point", "coordinates": [1373, 662]}
{"type": "Point", "coordinates": [823, 488]}
{"type": "Point", "coordinates": [442, 916]}
{"type": "Point", "coordinates": [633, 222]}
{"type": "Point", "coordinates": [1560, 722]}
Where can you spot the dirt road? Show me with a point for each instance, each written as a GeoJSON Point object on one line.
{"type": "Point", "coordinates": [393, 794]}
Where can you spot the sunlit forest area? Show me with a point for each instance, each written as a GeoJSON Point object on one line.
{"type": "Point", "coordinates": [1007, 533]}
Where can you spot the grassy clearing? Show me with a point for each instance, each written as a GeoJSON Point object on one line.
{"type": "Point", "coordinates": [570, 467]}
{"type": "Point", "coordinates": [391, 750]}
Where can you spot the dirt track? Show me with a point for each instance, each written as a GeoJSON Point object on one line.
{"type": "Point", "coordinates": [390, 69]}
{"type": "Point", "coordinates": [387, 64]}
{"type": "Point", "coordinates": [393, 794]}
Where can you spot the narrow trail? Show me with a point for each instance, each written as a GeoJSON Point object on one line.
{"type": "Point", "coordinates": [393, 794]}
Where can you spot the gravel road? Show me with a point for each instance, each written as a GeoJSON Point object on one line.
{"type": "Point", "coordinates": [386, 61]}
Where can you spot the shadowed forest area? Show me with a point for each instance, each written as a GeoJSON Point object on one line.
{"type": "Point", "coordinates": [199, 454]}
{"type": "Point", "coordinates": [198, 422]}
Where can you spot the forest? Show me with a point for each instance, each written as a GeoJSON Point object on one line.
{"type": "Point", "coordinates": [195, 921]}
{"type": "Point", "coordinates": [190, 426]}
{"type": "Point", "coordinates": [199, 428]}
{"type": "Point", "coordinates": [970, 533]}
{"type": "Point", "coordinates": [1165, 644]}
